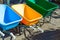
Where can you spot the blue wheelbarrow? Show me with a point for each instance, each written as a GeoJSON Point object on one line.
{"type": "Point", "coordinates": [8, 19]}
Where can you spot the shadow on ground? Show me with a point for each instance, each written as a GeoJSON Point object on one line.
{"type": "Point", "coordinates": [48, 35]}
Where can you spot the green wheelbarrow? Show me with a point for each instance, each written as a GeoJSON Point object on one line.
{"type": "Point", "coordinates": [43, 7]}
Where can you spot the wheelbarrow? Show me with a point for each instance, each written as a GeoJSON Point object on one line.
{"type": "Point", "coordinates": [30, 16]}
{"type": "Point", "coordinates": [8, 2]}
{"type": "Point", "coordinates": [55, 2]}
{"type": "Point", "coordinates": [8, 19]}
{"type": "Point", "coordinates": [43, 7]}
{"type": "Point", "coordinates": [1, 1]}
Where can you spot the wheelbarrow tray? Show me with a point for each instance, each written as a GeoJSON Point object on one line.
{"type": "Point", "coordinates": [8, 18]}
{"type": "Point", "coordinates": [29, 15]}
{"type": "Point", "coordinates": [43, 7]}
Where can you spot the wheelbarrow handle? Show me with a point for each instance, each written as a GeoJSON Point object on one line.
{"type": "Point", "coordinates": [2, 34]}
{"type": "Point", "coordinates": [32, 27]}
{"type": "Point", "coordinates": [13, 36]}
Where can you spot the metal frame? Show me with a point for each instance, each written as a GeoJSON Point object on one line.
{"type": "Point", "coordinates": [25, 29]}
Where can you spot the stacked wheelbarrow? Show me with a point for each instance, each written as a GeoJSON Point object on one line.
{"type": "Point", "coordinates": [8, 20]}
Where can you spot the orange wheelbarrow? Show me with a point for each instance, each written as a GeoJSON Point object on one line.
{"type": "Point", "coordinates": [30, 16]}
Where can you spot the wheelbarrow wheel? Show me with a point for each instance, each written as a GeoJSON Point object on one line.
{"type": "Point", "coordinates": [44, 20]}
{"type": "Point", "coordinates": [48, 19]}
{"type": "Point", "coordinates": [25, 29]}
{"type": "Point", "coordinates": [20, 30]}
{"type": "Point", "coordinates": [40, 22]}
{"type": "Point", "coordinates": [11, 38]}
{"type": "Point", "coordinates": [2, 38]}
{"type": "Point", "coordinates": [25, 35]}
{"type": "Point", "coordinates": [29, 32]}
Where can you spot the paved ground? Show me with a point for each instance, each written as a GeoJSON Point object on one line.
{"type": "Point", "coordinates": [48, 27]}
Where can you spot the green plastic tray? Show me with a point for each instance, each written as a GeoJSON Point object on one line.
{"type": "Point", "coordinates": [43, 7]}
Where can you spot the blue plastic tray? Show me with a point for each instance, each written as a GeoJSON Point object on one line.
{"type": "Point", "coordinates": [8, 18]}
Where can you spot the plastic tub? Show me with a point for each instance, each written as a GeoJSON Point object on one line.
{"type": "Point", "coordinates": [30, 16]}
{"type": "Point", "coordinates": [8, 18]}
{"type": "Point", "coordinates": [43, 7]}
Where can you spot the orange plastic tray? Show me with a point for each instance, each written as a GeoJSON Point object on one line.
{"type": "Point", "coordinates": [30, 16]}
